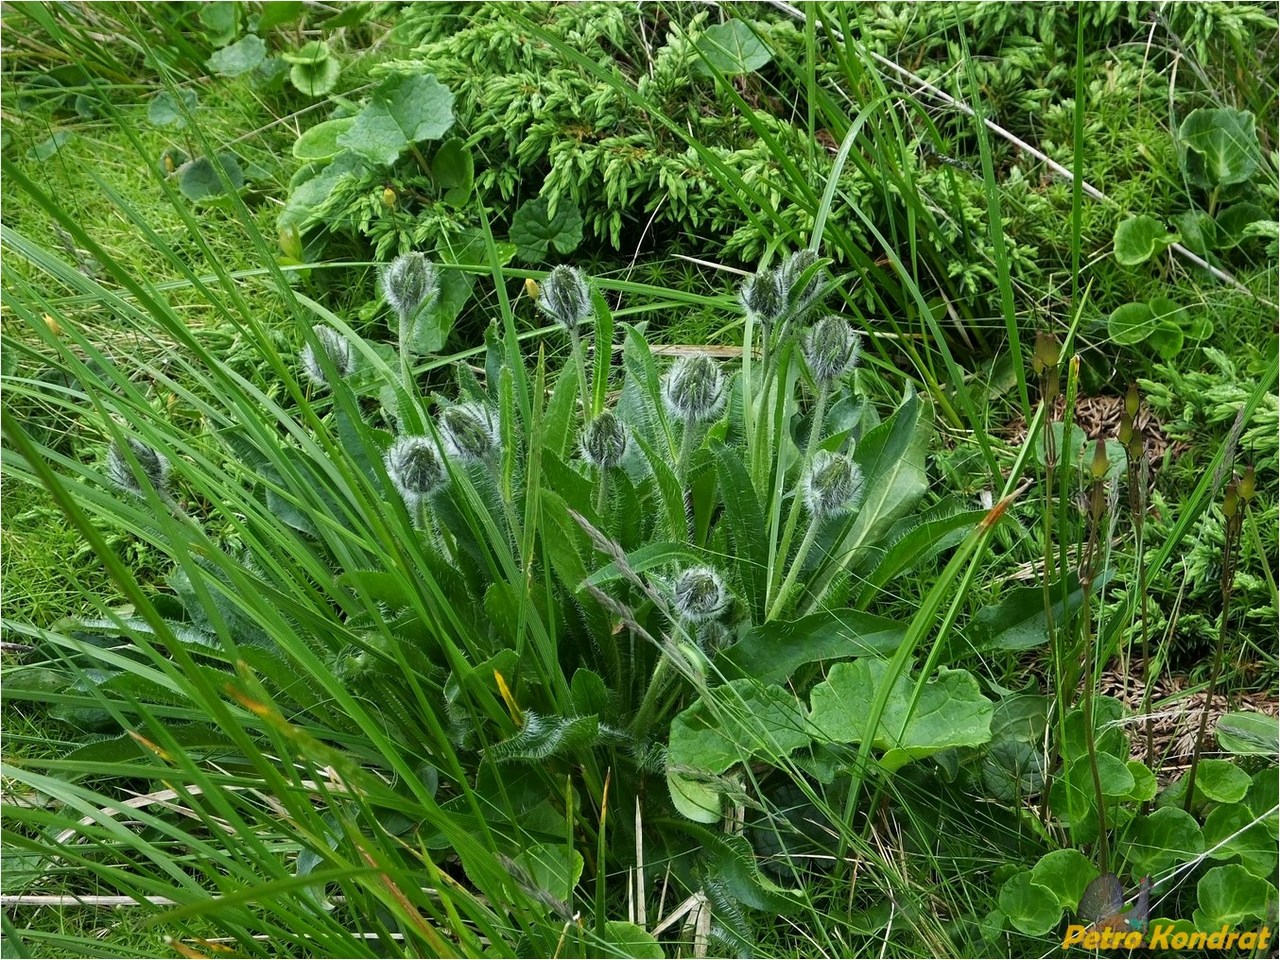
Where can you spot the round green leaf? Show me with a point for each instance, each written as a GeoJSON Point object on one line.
{"type": "Point", "coordinates": [1232, 895]}
{"type": "Point", "coordinates": [1065, 873]}
{"type": "Point", "coordinates": [731, 48]}
{"type": "Point", "coordinates": [1144, 781]}
{"type": "Point", "coordinates": [1219, 146]}
{"type": "Point", "coordinates": [164, 110]}
{"type": "Point", "coordinates": [311, 53]}
{"type": "Point", "coordinates": [1199, 232]}
{"type": "Point", "coordinates": [1232, 830]}
{"type": "Point", "coordinates": [1131, 323]}
{"type": "Point", "coordinates": [1235, 220]}
{"type": "Point", "coordinates": [1161, 839]}
{"type": "Point", "coordinates": [1114, 776]}
{"type": "Point", "coordinates": [1166, 339]}
{"type": "Point", "coordinates": [696, 799]}
{"type": "Point", "coordinates": [315, 80]}
{"type": "Point", "coordinates": [1031, 908]}
{"type": "Point", "coordinates": [1221, 781]}
{"type": "Point", "coordinates": [1012, 769]}
{"type": "Point", "coordinates": [1249, 734]}
{"type": "Point", "coordinates": [1140, 238]}
{"type": "Point", "coordinates": [534, 230]}
{"type": "Point", "coordinates": [1263, 799]}
{"type": "Point", "coordinates": [321, 141]}
{"type": "Point", "coordinates": [240, 57]}
{"type": "Point", "coordinates": [199, 179]}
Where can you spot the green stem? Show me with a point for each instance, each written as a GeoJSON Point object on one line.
{"type": "Point", "coordinates": [1090, 739]}
{"type": "Point", "coordinates": [779, 559]}
{"type": "Point", "coordinates": [806, 545]}
{"type": "Point", "coordinates": [583, 389]}
{"type": "Point", "coordinates": [662, 677]}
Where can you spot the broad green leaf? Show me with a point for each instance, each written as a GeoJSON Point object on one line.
{"type": "Point", "coordinates": [1020, 716]}
{"type": "Point", "coordinates": [772, 651]}
{"type": "Point", "coordinates": [315, 79]}
{"type": "Point", "coordinates": [1131, 323]}
{"type": "Point", "coordinates": [1231, 830]}
{"type": "Point", "coordinates": [1198, 231]}
{"type": "Point", "coordinates": [321, 141]}
{"type": "Point", "coordinates": [744, 720]}
{"type": "Point", "coordinates": [698, 799]}
{"type": "Point", "coordinates": [310, 54]}
{"type": "Point", "coordinates": [219, 21]}
{"type": "Point", "coordinates": [1263, 799]}
{"type": "Point", "coordinates": [735, 865]}
{"type": "Point", "coordinates": [240, 57]}
{"type": "Point", "coordinates": [1221, 781]}
{"type": "Point", "coordinates": [1064, 873]}
{"type": "Point", "coordinates": [1234, 221]}
{"type": "Point", "coordinates": [1031, 908]}
{"type": "Point", "coordinates": [200, 180]}
{"type": "Point", "coordinates": [1113, 775]}
{"type": "Point", "coordinates": [309, 195]}
{"type": "Point", "coordinates": [164, 110]}
{"type": "Point", "coordinates": [553, 869]}
{"type": "Point", "coordinates": [279, 12]}
{"type": "Point", "coordinates": [1137, 239]}
{"type": "Point", "coordinates": [731, 48]}
{"type": "Point", "coordinates": [1017, 621]}
{"type": "Point", "coordinates": [1231, 895]}
{"type": "Point", "coordinates": [1109, 735]}
{"type": "Point", "coordinates": [1144, 782]}
{"type": "Point", "coordinates": [534, 231]}
{"type": "Point", "coordinates": [1219, 147]}
{"type": "Point", "coordinates": [404, 110]}
{"type": "Point", "coordinates": [1161, 839]}
{"type": "Point", "coordinates": [951, 711]}
{"type": "Point", "coordinates": [1166, 339]}
{"type": "Point", "coordinates": [632, 940]}
{"type": "Point", "coordinates": [453, 169]}
{"type": "Point", "coordinates": [1012, 770]}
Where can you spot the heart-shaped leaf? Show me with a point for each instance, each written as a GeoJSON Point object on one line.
{"type": "Point", "coordinates": [1137, 239]}
{"type": "Point", "coordinates": [1231, 895]}
{"type": "Point", "coordinates": [1030, 907]}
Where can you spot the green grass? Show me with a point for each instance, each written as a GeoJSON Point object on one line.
{"type": "Point", "coordinates": [326, 747]}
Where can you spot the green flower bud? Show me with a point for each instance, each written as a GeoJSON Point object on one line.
{"type": "Point", "coordinates": [415, 469]}
{"type": "Point", "coordinates": [409, 282]}
{"type": "Point", "coordinates": [694, 389]}
{"type": "Point", "coordinates": [1098, 468]}
{"type": "Point", "coordinates": [1131, 400]}
{"type": "Point", "coordinates": [764, 297]}
{"type": "Point", "coordinates": [336, 347]}
{"type": "Point", "coordinates": [1231, 499]}
{"type": "Point", "coordinates": [790, 272]}
{"type": "Point", "coordinates": [150, 462]}
{"type": "Point", "coordinates": [469, 432]}
{"type": "Point", "coordinates": [700, 595]}
{"type": "Point", "coordinates": [565, 297]}
{"type": "Point", "coordinates": [1248, 485]}
{"type": "Point", "coordinates": [604, 441]}
{"type": "Point", "coordinates": [831, 349]}
{"type": "Point", "coordinates": [832, 485]}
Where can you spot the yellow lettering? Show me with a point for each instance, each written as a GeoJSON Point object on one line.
{"type": "Point", "coordinates": [1160, 936]}
{"type": "Point", "coordinates": [1264, 937]}
{"type": "Point", "coordinates": [1179, 940]}
{"type": "Point", "coordinates": [1199, 938]}
{"type": "Point", "coordinates": [1248, 940]}
{"type": "Point", "coordinates": [1091, 940]}
{"type": "Point", "coordinates": [1074, 934]}
{"type": "Point", "coordinates": [1217, 939]}
{"type": "Point", "coordinates": [1133, 940]}
{"type": "Point", "coordinates": [1237, 940]}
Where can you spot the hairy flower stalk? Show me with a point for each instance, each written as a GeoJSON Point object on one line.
{"type": "Point", "coordinates": [565, 297]}
{"type": "Point", "coordinates": [603, 445]}
{"type": "Point", "coordinates": [831, 486]}
{"type": "Point", "coordinates": [410, 283]}
{"type": "Point", "coordinates": [336, 348]}
{"type": "Point", "coordinates": [694, 392]}
{"type": "Point", "coordinates": [831, 350]}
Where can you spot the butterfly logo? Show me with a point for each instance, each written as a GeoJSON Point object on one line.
{"type": "Point", "coordinates": [1103, 905]}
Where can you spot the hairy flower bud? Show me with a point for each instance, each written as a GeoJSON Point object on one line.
{"type": "Point", "coordinates": [604, 441]}
{"type": "Point", "coordinates": [832, 484]}
{"type": "Point", "coordinates": [150, 462]}
{"type": "Point", "coordinates": [694, 389]}
{"type": "Point", "coordinates": [790, 273]}
{"type": "Point", "coordinates": [415, 469]}
{"type": "Point", "coordinates": [565, 297]}
{"type": "Point", "coordinates": [700, 595]}
{"type": "Point", "coordinates": [469, 432]}
{"type": "Point", "coordinates": [764, 297]}
{"type": "Point", "coordinates": [409, 282]}
{"type": "Point", "coordinates": [831, 349]}
{"type": "Point", "coordinates": [336, 347]}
